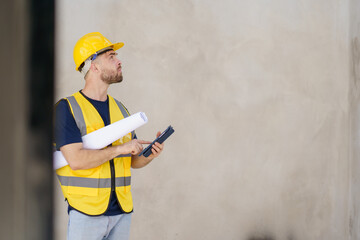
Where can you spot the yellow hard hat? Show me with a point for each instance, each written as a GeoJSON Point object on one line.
{"type": "Point", "coordinates": [90, 44]}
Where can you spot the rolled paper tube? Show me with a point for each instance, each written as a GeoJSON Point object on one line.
{"type": "Point", "coordinates": [105, 136]}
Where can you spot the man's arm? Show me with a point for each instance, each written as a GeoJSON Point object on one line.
{"type": "Point", "coordinates": [80, 158]}
{"type": "Point", "coordinates": [139, 162]}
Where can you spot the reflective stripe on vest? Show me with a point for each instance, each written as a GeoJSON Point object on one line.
{"type": "Point", "coordinates": [93, 182]}
{"type": "Point", "coordinates": [78, 115]}
{"type": "Point", "coordinates": [124, 112]}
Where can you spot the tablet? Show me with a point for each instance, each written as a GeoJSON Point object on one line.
{"type": "Point", "coordinates": [163, 136]}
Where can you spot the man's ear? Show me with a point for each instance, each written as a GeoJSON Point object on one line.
{"type": "Point", "coordinates": [94, 67]}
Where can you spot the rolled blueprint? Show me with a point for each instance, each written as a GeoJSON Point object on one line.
{"type": "Point", "coordinates": [105, 136]}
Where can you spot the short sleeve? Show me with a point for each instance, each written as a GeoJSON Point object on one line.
{"type": "Point", "coordinates": [65, 129]}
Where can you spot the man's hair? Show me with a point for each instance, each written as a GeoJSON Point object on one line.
{"type": "Point", "coordinates": [85, 67]}
{"type": "Point", "coordinates": [81, 66]}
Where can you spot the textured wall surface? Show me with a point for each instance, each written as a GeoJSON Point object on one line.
{"type": "Point", "coordinates": [260, 94]}
{"type": "Point", "coordinates": [354, 101]}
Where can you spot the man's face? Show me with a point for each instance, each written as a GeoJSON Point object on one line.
{"type": "Point", "coordinates": [110, 67]}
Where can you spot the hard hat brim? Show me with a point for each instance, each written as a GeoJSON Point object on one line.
{"type": "Point", "coordinates": [117, 46]}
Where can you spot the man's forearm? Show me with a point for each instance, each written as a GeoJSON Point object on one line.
{"type": "Point", "coordinates": [139, 162]}
{"type": "Point", "coordinates": [80, 158]}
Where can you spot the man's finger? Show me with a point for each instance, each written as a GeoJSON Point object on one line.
{"type": "Point", "coordinates": [153, 151]}
{"type": "Point", "coordinates": [157, 149]}
{"type": "Point", "coordinates": [159, 145]}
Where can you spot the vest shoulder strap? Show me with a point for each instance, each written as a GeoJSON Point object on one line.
{"type": "Point", "coordinates": [79, 117]}
{"type": "Point", "coordinates": [78, 114]}
{"type": "Point", "coordinates": [124, 112]}
{"type": "Point", "coordinates": [122, 108]}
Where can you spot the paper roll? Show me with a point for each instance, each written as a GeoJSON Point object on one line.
{"type": "Point", "coordinates": [105, 136]}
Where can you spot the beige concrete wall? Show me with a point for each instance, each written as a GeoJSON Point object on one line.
{"type": "Point", "coordinates": [258, 93]}
{"type": "Point", "coordinates": [354, 101]}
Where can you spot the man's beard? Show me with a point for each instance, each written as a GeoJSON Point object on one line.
{"type": "Point", "coordinates": [110, 77]}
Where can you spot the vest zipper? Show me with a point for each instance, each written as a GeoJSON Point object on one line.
{"type": "Point", "coordinates": [112, 169]}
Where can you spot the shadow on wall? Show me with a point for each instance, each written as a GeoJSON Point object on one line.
{"type": "Point", "coordinates": [266, 237]}
{"type": "Point", "coordinates": [356, 60]}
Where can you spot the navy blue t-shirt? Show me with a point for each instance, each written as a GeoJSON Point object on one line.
{"type": "Point", "coordinates": [67, 132]}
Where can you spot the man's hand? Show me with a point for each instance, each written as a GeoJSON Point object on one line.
{"type": "Point", "coordinates": [139, 162]}
{"type": "Point", "coordinates": [133, 147]}
{"type": "Point", "coordinates": [156, 148]}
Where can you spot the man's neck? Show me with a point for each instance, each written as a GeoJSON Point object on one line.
{"type": "Point", "coordinates": [96, 90]}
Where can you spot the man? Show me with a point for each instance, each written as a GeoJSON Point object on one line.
{"type": "Point", "coordinates": [96, 183]}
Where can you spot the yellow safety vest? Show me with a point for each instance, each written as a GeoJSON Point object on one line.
{"type": "Point", "coordinates": [88, 191]}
